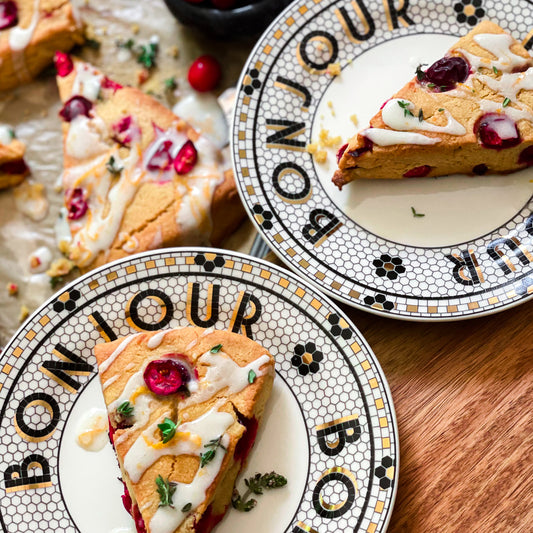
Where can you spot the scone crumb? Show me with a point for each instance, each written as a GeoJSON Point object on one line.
{"type": "Point", "coordinates": [64, 246]}
{"type": "Point", "coordinates": [35, 262]}
{"type": "Point", "coordinates": [326, 141]}
{"type": "Point", "coordinates": [174, 52]}
{"type": "Point", "coordinates": [12, 289]}
{"type": "Point", "coordinates": [311, 148]}
{"type": "Point", "coordinates": [142, 75]}
{"type": "Point", "coordinates": [321, 156]}
{"type": "Point", "coordinates": [24, 313]}
{"type": "Point", "coordinates": [60, 267]}
{"type": "Point", "coordinates": [334, 69]}
{"type": "Point", "coordinates": [135, 28]}
{"type": "Point", "coordinates": [354, 120]}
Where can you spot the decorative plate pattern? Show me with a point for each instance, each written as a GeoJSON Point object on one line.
{"type": "Point", "coordinates": [284, 89]}
{"type": "Point", "coordinates": [342, 466]}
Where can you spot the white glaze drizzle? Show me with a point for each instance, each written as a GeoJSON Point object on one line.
{"type": "Point", "coordinates": [40, 260]}
{"type": "Point", "coordinates": [118, 350]}
{"type": "Point", "coordinates": [110, 381]}
{"type": "Point", "coordinates": [383, 137]}
{"type": "Point", "coordinates": [92, 431]}
{"type": "Point", "coordinates": [222, 372]}
{"type": "Point", "coordinates": [6, 134]}
{"type": "Point", "coordinates": [403, 119]}
{"type": "Point", "coordinates": [204, 333]}
{"type": "Point", "coordinates": [87, 82]}
{"type": "Point", "coordinates": [157, 339]}
{"type": "Point", "coordinates": [84, 137]}
{"type": "Point", "coordinates": [19, 37]}
{"type": "Point", "coordinates": [509, 84]}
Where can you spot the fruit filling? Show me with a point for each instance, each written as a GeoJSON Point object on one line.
{"type": "Point", "coordinates": [8, 14]}
{"type": "Point", "coordinates": [497, 131]}
{"type": "Point", "coordinates": [76, 106]}
{"type": "Point", "coordinates": [161, 160]}
{"type": "Point", "coordinates": [445, 73]}
{"type": "Point", "coordinates": [418, 172]}
{"type": "Point", "coordinates": [186, 158]}
{"type": "Point", "coordinates": [77, 204]}
{"type": "Point", "coordinates": [167, 376]}
{"type": "Point", "coordinates": [125, 131]}
{"type": "Point", "coordinates": [367, 147]}
{"type": "Point", "coordinates": [63, 63]}
{"type": "Point", "coordinates": [526, 156]}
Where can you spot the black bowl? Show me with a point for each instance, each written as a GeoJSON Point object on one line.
{"type": "Point", "coordinates": [243, 20]}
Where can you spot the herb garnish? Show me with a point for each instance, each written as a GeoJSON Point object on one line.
{"type": "Point", "coordinates": [251, 376]}
{"type": "Point", "coordinates": [170, 83]}
{"type": "Point", "coordinates": [112, 168]}
{"type": "Point", "coordinates": [216, 349]}
{"type": "Point", "coordinates": [431, 85]}
{"type": "Point", "coordinates": [93, 43]}
{"type": "Point", "coordinates": [415, 214]}
{"type": "Point", "coordinates": [168, 429]}
{"type": "Point", "coordinates": [128, 45]}
{"type": "Point", "coordinates": [506, 102]}
{"type": "Point", "coordinates": [495, 70]}
{"type": "Point", "coordinates": [146, 54]}
{"type": "Point", "coordinates": [420, 74]}
{"type": "Point", "coordinates": [55, 281]}
{"type": "Point", "coordinates": [420, 115]}
{"type": "Point", "coordinates": [441, 109]}
{"type": "Point", "coordinates": [186, 508]}
{"type": "Point", "coordinates": [125, 409]}
{"type": "Point", "coordinates": [255, 485]}
{"type": "Point", "coordinates": [405, 106]}
{"type": "Point", "coordinates": [166, 490]}
{"type": "Point", "coordinates": [212, 446]}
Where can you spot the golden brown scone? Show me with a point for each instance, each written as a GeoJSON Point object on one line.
{"type": "Point", "coordinates": [28, 46]}
{"type": "Point", "coordinates": [13, 169]}
{"type": "Point", "coordinates": [214, 386]}
{"type": "Point", "coordinates": [471, 112]}
{"type": "Point", "coordinates": [137, 177]}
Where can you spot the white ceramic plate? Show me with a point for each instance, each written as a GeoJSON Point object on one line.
{"type": "Point", "coordinates": [471, 252]}
{"type": "Point", "coordinates": [329, 427]}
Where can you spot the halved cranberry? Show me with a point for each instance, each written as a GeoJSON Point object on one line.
{"type": "Point", "coordinates": [480, 169]}
{"type": "Point", "coordinates": [64, 64]}
{"type": "Point", "coordinates": [110, 84]}
{"type": "Point", "coordinates": [138, 519]}
{"type": "Point", "coordinates": [497, 131]}
{"type": "Point", "coordinates": [165, 376]}
{"type": "Point", "coordinates": [246, 442]}
{"type": "Point", "coordinates": [14, 167]}
{"type": "Point", "coordinates": [186, 159]}
{"type": "Point", "coordinates": [8, 15]}
{"type": "Point", "coordinates": [447, 72]}
{"type": "Point", "coordinates": [367, 147]}
{"type": "Point", "coordinates": [76, 106]}
{"type": "Point", "coordinates": [126, 498]}
{"type": "Point", "coordinates": [340, 151]}
{"type": "Point", "coordinates": [418, 172]}
{"type": "Point", "coordinates": [76, 204]}
{"type": "Point", "coordinates": [161, 160]}
{"type": "Point", "coordinates": [526, 156]}
{"type": "Point", "coordinates": [125, 131]}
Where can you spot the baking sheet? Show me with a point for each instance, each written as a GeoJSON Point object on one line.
{"type": "Point", "coordinates": [32, 111]}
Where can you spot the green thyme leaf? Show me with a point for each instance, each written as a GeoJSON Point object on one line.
{"type": "Point", "coordinates": [11, 132]}
{"type": "Point", "coordinates": [405, 106]}
{"type": "Point", "coordinates": [216, 349]}
{"type": "Point", "coordinates": [186, 508]}
{"type": "Point", "coordinates": [212, 447]}
{"type": "Point", "coordinates": [112, 168]}
{"type": "Point", "coordinates": [415, 214]}
{"type": "Point", "coordinates": [55, 281]}
{"type": "Point", "coordinates": [168, 429]}
{"type": "Point", "coordinates": [431, 85]}
{"type": "Point", "coordinates": [125, 409]}
{"type": "Point", "coordinates": [256, 485]}
{"type": "Point", "coordinates": [146, 54]}
{"type": "Point", "coordinates": [166, 490]}
{"type": "Point", "coordinates": [495, 70]}
{"type": "Point", "coordinates": [129, 44]}
{"type": "Point", "coordinates": [170, 84]}
{"type": "Point", "coordinates": [420, 115]}
{"type": "Point", "coordinates": [441, 109]}
{"type": "Point", "coordinates": [420, 74]}
{"type": "Point", "coordinates": [506, 102]}
{"type": "Point", "coordinates": [251, 376]}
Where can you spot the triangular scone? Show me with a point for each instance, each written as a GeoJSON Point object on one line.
{"type": "Point", "coordinates": [13, 169]}
{"type": "Point", "coordinates": [470, 112]}
{"type": "Point", "coordinates": [30, 33]}
{"type": "Point", "coordinates": [212, 386]}
{"type": "Point", "coordinates": [136, 177]}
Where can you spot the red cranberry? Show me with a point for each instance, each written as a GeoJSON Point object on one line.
{"type": "Point", "coordinates": [418, 172]}
{"type": "Point", "coordinates": [138, 519]}
{"type": "Point", "coordinates": [246, 442]}
{"type": "Point", "coordinates": [64, 64]}
{"type": "Point", "coordinates": [126, 498]}
{"type": "Point", "coordinates": [165, 376]}
{"type": "Point", "coordinates": [8, 15]}
{"type": "Point", "coordinates": [77, 204]}
{"type": "Point", "coordinates": [367, 147]}
{"type": "Point", "coordinates": [223, 4]}
{"type": "Point", "coordinates": [480, 169]}
{"type": "Point", "coordinates": [110, 84]}
{"type": "Point", "coordinates": [125, 131]}
{"type": "Point", "coordinates": [186, 158]}
{"type": "Point", "coordinates": [14, 167]}
{"type": "Point", "coordinates": [526, 156]}
{"type": "Point", "coordinates": [341, 151]}
{"type": "Point", "coordinates": [497, 131]}
{"type": "Point", "coordinates": [208, 521]}
{"type": "Point", "coordinates": [162, 159]}
{"type": "Point", "coordinates": [447, 72]}
{"type": "Point", "coordinates": [204, 73]}
{"type": "Point", "coordinates": [76, 106]}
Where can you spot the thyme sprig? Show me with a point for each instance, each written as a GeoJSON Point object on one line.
{"type": "Point", "coordinates": [212, 447]}
{"type": "Point", "coordinates": [166, 490]}
{"type": "Point", "coordinates": [168, 429]}
{"type": "Point", "coordinates": [256, 485]}
{"type": "Point", "coordinates": [405, 106]}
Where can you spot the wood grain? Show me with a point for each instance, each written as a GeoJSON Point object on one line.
{"type": "Point", "coordinates": [463, 394]}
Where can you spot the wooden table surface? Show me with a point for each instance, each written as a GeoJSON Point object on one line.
{"type": "Point", "coordinates": [463, 394]}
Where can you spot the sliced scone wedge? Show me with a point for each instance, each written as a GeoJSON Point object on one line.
{"type": "Point", "coordinates": [184, 407]}
{"type": "Point", "coordinates": [30, 33]}
{"type": "Point", "coordinates": [13, 169]}
{"type": "Point", "coordinates": [136, 177]}
{"type": "Point", "coordinates": [471, 112]}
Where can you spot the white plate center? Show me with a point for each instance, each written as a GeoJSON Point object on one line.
{"type": "Point", "coordinates": [92, 492]}
{"type": "Point", "coordinates": [457, 208]}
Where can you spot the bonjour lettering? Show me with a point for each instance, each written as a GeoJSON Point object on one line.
{"type": "Point", "coordinates": [70, 370]}
{"type": "Point", "coordinates": [358, 25]}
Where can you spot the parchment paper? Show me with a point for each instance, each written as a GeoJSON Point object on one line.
{"type": "Point", "coordinates": [32, 110]}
